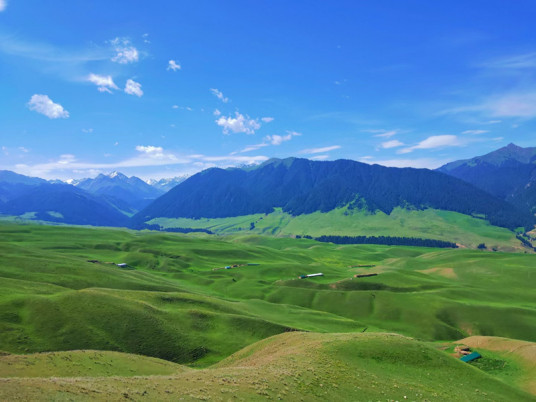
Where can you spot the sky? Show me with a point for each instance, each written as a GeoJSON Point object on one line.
{"type": "Point", "coordinates": [167, 88]}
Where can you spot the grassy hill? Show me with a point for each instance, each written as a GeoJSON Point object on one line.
{"type": "Point", "coordinates": [84, 363]}
{"type": "Point", "coordinates": [429, 224]}
{"type": "Point", "coordinates": [296, 366]}
{"type": "Point", "coordinates": [61, 290]}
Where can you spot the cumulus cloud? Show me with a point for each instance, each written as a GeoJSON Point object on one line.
{"type": "Point", "coordinates": [218, 94]}
{"type": "Point", "coordinates": [133, 88]}
{"type": "Point", "coordinates": [435, 141]}
{"type": "Point", "coordinates": [279, 139]}
{"type": "Point", "coordinates": [238, 124]}
{"type": "Point", "coordinates": [173, 65]}
{"type": "Point", "coordinates": [104, 83]}
{"type": "Point", "coordinates": [216, 112]}
{"type": "Point", "coordinates": [150, 150]}
{"type": "Point", "coordinates": [44, 105]}
{"type": "Point", "coordinates": [125, 52]}
{"type": "Point", "coordinates": [320, 150]}
{"type": "Point", "coordinates": [3, 5]}
{"type": "Point", "coordinates": [267, 119]}
{"type": "Point", "coordinates": [391, 144]}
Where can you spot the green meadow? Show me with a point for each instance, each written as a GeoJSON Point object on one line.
{"type": "Point", "coordinates": [429, 224]}
{"type": "Point", "coordinates": [175, 303]}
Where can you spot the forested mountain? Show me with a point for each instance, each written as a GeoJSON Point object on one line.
{"type": "Point", "coordinates": [508, 173]}
{"type": "Point", "coordinates": [66, 204]}
{"type": "Point", "coordinates": [302, 186]}
{"type": "Point", "coordinates": [129, 194]}
{"type": "Point", "coordinates": [13, 184]}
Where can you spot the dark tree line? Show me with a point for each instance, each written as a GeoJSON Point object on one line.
{"type": "Point", "coordinates": [387, 240]}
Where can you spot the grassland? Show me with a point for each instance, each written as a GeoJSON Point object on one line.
{"type": "Point", "coordinates": [295, 366]}
{"type": "Point", "coordinates": [430, 224]}
{"type": "Point", "coordinates": [176, 302]}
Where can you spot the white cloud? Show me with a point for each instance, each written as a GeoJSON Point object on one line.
{"type": "Point", "coordinates": [3, 5]}
{"type": "Point", "coordinates": [133, 88]}
{"type": "Point", "coordinates": [512, 105]}
{"type": "Point", "coordinates": [22, 149]}
{"type": "Point", "coordinates": [522, 105]}
{"type": "Point", "coordinates": [319, 157]}
{"type": "Point", "coordinates": [391, 144]}
{"type": "Point", "coordinates": [125, 52]}
{"type": "Point", "coordinates": [216, 112]}
{"type": "Point", "coordinates": [44, 105]}
{"type": "Point", "coordinates": [420, 163]}
{"type": "Point", "coordinates": [238, 124]}
{"type": "Point", "coordinates": [154, 152]}
{"type": "Point", "coordinates": [68, 166]}
{"type": "Point", "coordinates": [520, 61]}
{"type": "Point", "coordinates": [267, 119]}
{"type": "Point", "coordinates": [172, 65]}
{"type": "Point", "coordinates": [387, 134]}
{"type": "Point", "coordinates": [381, 133]}
{"type": "Point", "coordinates": [475, 132]}
{"type": "Point", "coordinates": [269, 140]}
{"type": "Point", "coordinates": [251, 148]}
{"type": "Point", "coordinates": [320, 150]}
{"type": "Point", "coordinates": [435, 141]}
{"type": "Point", "coordinates": [218, 94]}
{"type": "Point", "coordinates": [175, 106]}
{"type": "Point", "coordinates": [87, 130]}
{"type": "Point", "coordinates": [279, 139]}
{"type": "Point", "coordinates": [104, 82]}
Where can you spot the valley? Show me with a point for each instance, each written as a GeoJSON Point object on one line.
{"type": "Point", "coordinates": [174, 302]}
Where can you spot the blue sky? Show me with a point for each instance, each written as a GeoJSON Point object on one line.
{"type": "Point", "coordinates": [165, 89]}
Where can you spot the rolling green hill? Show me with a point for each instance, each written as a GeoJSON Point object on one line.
{"type": "Point", "coordinates": [296, 366]}
{"type": "Point", "coordinates": [61, 290]}
{"type": "Point", "coordinates": [429, 224]}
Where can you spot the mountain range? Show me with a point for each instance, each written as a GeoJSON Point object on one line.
{"type": "Point", "coordinates": [499, 186]}
{"type": "Point", "coordinates": [128, 194]}
{"type": "Point", "coordinates": [508, 173]}
{"type": "Point", "coordinates": [301, 186]}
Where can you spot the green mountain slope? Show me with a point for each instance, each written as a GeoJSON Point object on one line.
{"type": "Point", "coordinates": [301, 186]}
{"type": "Point", "coordinates": [297, 366]}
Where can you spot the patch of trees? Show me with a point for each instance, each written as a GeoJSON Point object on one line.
{"type": "Point", "coordinates": [525, 242]}
{"type": "Point", "coordinates": [387, 240]}
{"type": "Point", "coordinates": [174, 230]}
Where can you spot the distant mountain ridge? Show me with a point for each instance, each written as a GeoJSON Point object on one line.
{"type": "Point", "coordinates": [65, 204]}
{"type": "Point", "coordinates": [300, 186]}
{"type": "Point", "coordinates": [168, 183]}
{"type": "Point", "coordinates": [130, 193]}
{"type": "Point", "coordinates": [508, 173]}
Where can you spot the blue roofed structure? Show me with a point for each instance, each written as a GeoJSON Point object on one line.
{"type": "Point", "coordinates": [470, 357]}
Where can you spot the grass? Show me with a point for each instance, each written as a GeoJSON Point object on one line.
{"type": "Point", "coordinates": [296, 366]}
{"type": "Point", "coordinates": [429, 223]}
{"type": "Point", "coordinates": [177, 304]}
{"type": "Point", "coordinates": [84, 363]}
